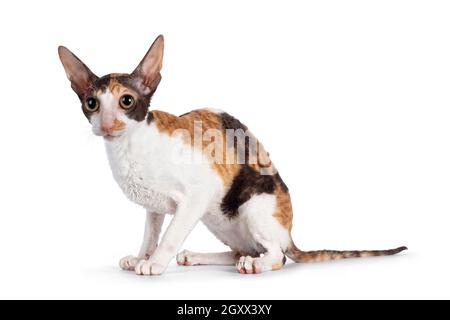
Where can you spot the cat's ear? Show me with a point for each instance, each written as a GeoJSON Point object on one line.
{"type": "Point", "coordinates": [148, 71]}
{"type": "Point", "coordinates": [77, 72]}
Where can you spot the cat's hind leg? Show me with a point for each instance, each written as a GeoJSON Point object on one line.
{"type": "Point", "coordinates": [189, 258]}
{"type": "Point", "coordinates": [271, 237]}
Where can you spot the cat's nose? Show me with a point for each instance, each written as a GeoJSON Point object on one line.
{"type": "Point", "coordinates": [107, 128]}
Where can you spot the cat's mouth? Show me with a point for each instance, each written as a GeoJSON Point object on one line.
{"type": "Point", "coordinates": [109, 137]}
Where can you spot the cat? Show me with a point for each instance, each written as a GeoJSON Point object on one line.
{"type": "Point", "coordinates": [174, 165]}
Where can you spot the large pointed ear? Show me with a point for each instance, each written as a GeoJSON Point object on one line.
{"type": "Point", "coordinates": [77, 72]}
{"type": "Point", "coordinates": [148, 70]}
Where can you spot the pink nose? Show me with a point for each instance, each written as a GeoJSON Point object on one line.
{"type": "Point", "coordinates": [108, 129]}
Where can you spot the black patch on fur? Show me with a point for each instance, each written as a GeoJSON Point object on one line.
{"type": "Point", "coordinates": [102, 83]}
{"type": "Point", "coordinates": [281, 183]}
{"type": "Point", "coordinates": [149, 117]}
{"type": "Point", "coordinates": [230, 122]}
{"type": "Point", "coordinates": [247, 183]}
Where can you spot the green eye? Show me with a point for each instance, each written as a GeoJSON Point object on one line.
{"type": "Point", "coordinates": [127, 101]}
{"type": "Point", "coordinates": [91, 104]}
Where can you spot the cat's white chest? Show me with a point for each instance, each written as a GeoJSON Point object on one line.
{"type": "Point", "coordinates": [136, 171]}
{"type": "Point", "coordinates": [157, 171]}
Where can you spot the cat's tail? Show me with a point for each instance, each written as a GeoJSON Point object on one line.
{"type": "Point", "coordinates": [322, 255]}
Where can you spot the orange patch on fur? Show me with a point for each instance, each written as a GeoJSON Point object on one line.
{"type": "Point", "coordinates": [118, 125]}
{"type": "Point", "coordinates": [114, 86]}
{"type": "Point", "coordinates": [168, 123]}
{"type": "Point", "coordinates": [283, 211]}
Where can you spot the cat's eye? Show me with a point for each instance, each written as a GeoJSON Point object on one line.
{"type": "Point", "coordinates": [127, 101]}
{"type": "Point", "coordinates": [91, 104]}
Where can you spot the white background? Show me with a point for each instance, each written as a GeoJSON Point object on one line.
{"type": "Point", "coordinates": [351, 99]}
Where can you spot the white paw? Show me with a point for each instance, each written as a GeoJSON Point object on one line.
{"type": "Point", "coordinates": [128, 263]}
{"type": "Point", "coordinates": [184, 258]}
{"type": "Point", "coordinates": [147, 268]}
{"type": "Point", "coordinates": [249, 265]}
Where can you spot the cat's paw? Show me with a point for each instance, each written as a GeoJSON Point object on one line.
{"type": "Point", "coordinates": [147, 268]}
{"type": "Point", "coordinates": [184, 258]}
{"type": "Point", "coordinates": [128, 263]}
{"type": "Point", "coordinates": [249, 265]}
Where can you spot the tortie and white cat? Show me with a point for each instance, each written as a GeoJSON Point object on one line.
{"type": "Point", "coordinates": [166, 164]}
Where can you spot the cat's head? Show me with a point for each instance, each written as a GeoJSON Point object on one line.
{"type": "Point", "coordinates": [115, 102]}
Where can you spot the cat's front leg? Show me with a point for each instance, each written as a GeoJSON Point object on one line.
{"type": "Point", "coordinates": [187, 215]}
{"type": "Point", "coordinates": [153, 224]}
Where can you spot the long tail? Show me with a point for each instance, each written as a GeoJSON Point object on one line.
{"type": "Point", "coordinates": [322, 255]}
